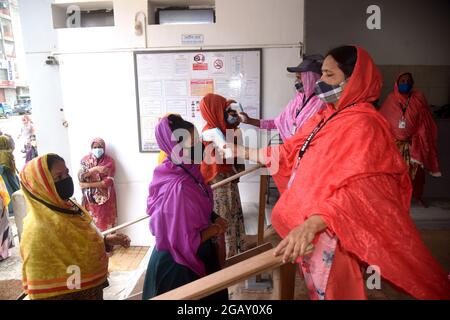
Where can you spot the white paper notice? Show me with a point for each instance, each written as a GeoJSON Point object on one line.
{"type": "Point", "coordinates": [175, 88]}
{"type": "Point", "coordinates": [177, 106]}
{"type": "Point", "coordinates": [148, 139]}
{"type": "Point", "coordinates": [222, 87]}
{"type": "Point", "coordinates": [182, 65]}
{"type": "Point", "coordinates": [165, 66]}
{"type": "Point", "coordinates": [150, 88]}
{"type": "Point", "coordinates": [151, 107]}
{"type": "Point", "coordinates": [237, 64]}
{"type": "Point", "coordinates": [147, 67]}
{"type": "Point", "coordinates": [230, 88]}
{"type": "Point", "coordinates": [251, 87]}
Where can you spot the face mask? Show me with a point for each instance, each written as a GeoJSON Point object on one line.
{"type": "Point", "coordinates": [196, 152]}
{"type": "Point", "coordinates": [404, 87]}
{"type": "Point", "coordinates": [65, 188]}
{"type": "Point", "coordinates": [299, 86]}
{"type": "Point", "coordinates": [98, 152]}
{"type": "Point", "coordinates": [328, 93]}
{"type": "Point", "coordinates": [230, 119]}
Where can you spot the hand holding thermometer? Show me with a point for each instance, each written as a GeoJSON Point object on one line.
{"type": "Point", "coordinates": [237, 106]}
{"type": "Point", "coordinates": [216, 136]}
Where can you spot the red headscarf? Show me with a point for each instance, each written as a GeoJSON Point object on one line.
{"type": "Point", "coordinates": [420, 129]}
{"type": "Point", "coordinates": [212, 108]}
{"type": "Point", "coordinates": [353, 176]}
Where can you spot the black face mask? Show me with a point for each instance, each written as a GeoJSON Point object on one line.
{"type": "Point", "coordinates": [196, 152]}
{"type": "Point", "coordinates": [299, 86]}
{"type": "Point", "coordinates": [65, 188]}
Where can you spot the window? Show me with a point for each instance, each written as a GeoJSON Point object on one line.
{"type": "Point", "coordinates": [4, 7]}
{"type": "Point", "coordinates": [7, 29]}
{"type": "Point", "coordinates": [181, 12]}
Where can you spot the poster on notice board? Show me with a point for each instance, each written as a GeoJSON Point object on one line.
{"type": "Point", "coordinates": [175, 82]}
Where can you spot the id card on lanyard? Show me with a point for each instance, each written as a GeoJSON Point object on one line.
{"type": "Point", "coordinates": [402, 121]}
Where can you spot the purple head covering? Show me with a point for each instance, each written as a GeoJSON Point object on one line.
{"type": "Point", "coordinates": [178, 206]}
{"type": "Point", "coordinates": [286, 120]}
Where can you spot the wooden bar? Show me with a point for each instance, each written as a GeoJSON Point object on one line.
{"type": "Point", "coordinates": [262, 209]}
{"type": "Point", "coordinates": [287, 281]}
{"type": "Point", "coordinates": [228, 263]}
{"type": "Point", "coordinates": [261, 213]}
{"type": "Point", "coordinates": [247, 254]}
{"type": "Point", "coordinates": [225, 278]}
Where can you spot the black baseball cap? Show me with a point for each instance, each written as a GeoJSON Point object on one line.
{"type": "Point", "coordinates": [311, 63]}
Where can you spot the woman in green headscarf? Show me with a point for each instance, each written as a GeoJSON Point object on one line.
{"type": "Point", "coordinates": [8, 168]}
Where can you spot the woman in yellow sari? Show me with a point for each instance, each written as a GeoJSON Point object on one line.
{"type": "Point", "coordinates": [8, 168]}
{"type": "Point", "coordinates": [64, 255]}
{"type": "Point", "coordinates": [6, 235]}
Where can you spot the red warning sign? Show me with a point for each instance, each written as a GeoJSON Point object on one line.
{"type": "Point", "coordinates": [200, 66]}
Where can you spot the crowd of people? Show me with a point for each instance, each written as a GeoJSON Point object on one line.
{"type": "Point", "coordinates": [346, 172]}
{"type": "Point", "coordinates": [345, 186]}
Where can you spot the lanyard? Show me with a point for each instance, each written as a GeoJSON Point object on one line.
{"type": "Point", "coordinates": [310, 138]}
{"type": "Point", "coordinates": [405, 106]}
{"type": "Point", "coordinates": [201, 185]}
{"type": "Point", "coordinates": [303, 105]}
{"type": "Point", "coordinates": [53, 207]}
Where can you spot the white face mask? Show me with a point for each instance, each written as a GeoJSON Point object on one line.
{"type": "Point", "coordinates": [98, 152]}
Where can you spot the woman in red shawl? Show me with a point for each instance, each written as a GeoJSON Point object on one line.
{"type": "Point", "coordinates": [343, 185]}
{"type": "Point", "coordinates": [227, 202]}
{"type": "Point", "coordinates": [96, 178]}
{"type": "Point", "coordinates": [408, 113]}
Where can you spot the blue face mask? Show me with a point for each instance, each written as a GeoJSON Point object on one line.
{"type": "Point", "coordinates": [404, 87]}
{"type": "Point", "coordinates": [98, 152]}
{"type": "Point", "coordinates": [230, 119]}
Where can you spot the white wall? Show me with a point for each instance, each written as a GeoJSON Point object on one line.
{"type": "Point", "coordinates": [100, 102]}
{"type": "Point", "coordinates": [45, 89]}
{"type": "Point", "coordinates": [98, 89]}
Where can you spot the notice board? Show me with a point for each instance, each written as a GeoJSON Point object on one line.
{"type": "Point", "coordinates": [176, 81]}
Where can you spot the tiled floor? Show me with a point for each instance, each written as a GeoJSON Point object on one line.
{"type": "Point", "coordinates": [126, 259]}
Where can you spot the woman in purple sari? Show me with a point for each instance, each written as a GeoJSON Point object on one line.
{"type": "Point", "coordinates": [180, 205]}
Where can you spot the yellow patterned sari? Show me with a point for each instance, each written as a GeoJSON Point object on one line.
{"type": "Point", "coordinates": [58, 240]}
